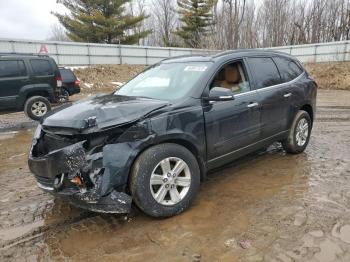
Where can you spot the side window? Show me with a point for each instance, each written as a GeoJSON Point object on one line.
{"type": "Point", "coordinates": [41, 67]}
{"type": "Point", "coordinates": [264, 71]}
{"type": "Point", "coordinates": [288, 68]}
{"type": "Point", "coordinates": [232, 76]}
{"type": "Point", "coordinates": [12, 68]}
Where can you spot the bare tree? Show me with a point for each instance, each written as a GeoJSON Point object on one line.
{"type": "Point", "coordinates": [138, 7]}
{"type": "Point", "coordinates": [246, 23]}
{"type": "Point", "coordinates": [165, 19]}
{"type": "Point", "coordinates": [57, 33]}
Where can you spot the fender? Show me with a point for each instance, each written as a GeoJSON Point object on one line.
{"type": "Point", "coordinates": [118, 158]}
{"type": "Point", "coordinates": [34, 88]}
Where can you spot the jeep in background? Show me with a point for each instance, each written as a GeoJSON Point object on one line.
{"type": "Point", "coordinates": [70, 84]}
{"type": "Point", "coordinates": [29, 83]}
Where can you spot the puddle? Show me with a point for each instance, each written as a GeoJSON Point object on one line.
{"type": "Point", "coordinates": [329, 251]}
{"type": "Point", "coordinates": [342, 232]}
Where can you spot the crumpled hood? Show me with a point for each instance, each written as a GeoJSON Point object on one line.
{"type": "Point", "coordinates": [109, 110]}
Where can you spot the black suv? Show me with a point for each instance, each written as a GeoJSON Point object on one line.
{"type": "Point", "coordinates": [154, 140]}
{"type": "Point", "coordinates": [29, 83]}
{"type": "Point", "coordinates": [70, 84]}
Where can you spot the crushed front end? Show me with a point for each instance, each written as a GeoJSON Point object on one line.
{"type": "Point", "coordinates": [88, 170]}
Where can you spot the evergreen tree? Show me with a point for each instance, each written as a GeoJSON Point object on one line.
{"type": "Point", "coordinates": [196, 17]}
{"type": "Point", "coordinates": [100, 21]}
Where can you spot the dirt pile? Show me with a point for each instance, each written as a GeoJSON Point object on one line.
{"type": "Point", "coordinates": [331, 75]}
{"type": "Point", "coordinates": [105, 78]}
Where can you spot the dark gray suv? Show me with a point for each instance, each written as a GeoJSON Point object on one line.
{"type": "Point", "coordinates": [153, 141]}
{"type": "Point", "coordinates": [29, 83]}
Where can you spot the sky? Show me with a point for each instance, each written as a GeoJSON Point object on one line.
{"type": "Point", "coordinates": [28, 19]}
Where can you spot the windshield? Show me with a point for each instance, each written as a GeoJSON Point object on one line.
{"type": "Point", "coordinates": [165, 81]}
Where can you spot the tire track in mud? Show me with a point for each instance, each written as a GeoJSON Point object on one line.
{"type": "Point", "coordinates": [38, 228]}
{"type": "Point", "coordinates": [333, 114]}
{"type": "Point", "coordinates": [41, 229]}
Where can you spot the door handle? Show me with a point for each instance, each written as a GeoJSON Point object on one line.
{"type": "Point", "coordinates": [251, 105]}
{"type": "Point", "coordinates": [287, 95]}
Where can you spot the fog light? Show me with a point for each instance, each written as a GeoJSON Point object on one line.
{"type": "Point", "coordinates": [58, 182]}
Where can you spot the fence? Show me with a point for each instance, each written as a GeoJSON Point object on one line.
{"type": "Point", "coordinates": [71, 53]}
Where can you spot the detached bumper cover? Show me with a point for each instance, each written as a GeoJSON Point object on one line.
{"type": "Point", "coordinates": [115, 202]}
{"type": "Point", "coordinates": [70, 160]}
{"type": "Point", "coordinates": [66, 160]}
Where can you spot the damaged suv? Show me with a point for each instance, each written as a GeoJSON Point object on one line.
{"type": "Point", "coordinates": [153, 141]}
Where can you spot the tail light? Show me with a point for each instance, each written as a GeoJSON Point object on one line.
{"type": "Point", "coordinates": [77, 82]}
{"type": "Point", "coordinates": [59, 81]}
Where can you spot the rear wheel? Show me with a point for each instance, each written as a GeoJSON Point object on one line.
{"type": "Point", "coordinates": [165, 180]}
{"type": "Point", "coordinates": [299, 134]}
{"type": "Point", "coordinates": [64, 97]}
{"type": "Point", "coordinates": [36, 107]}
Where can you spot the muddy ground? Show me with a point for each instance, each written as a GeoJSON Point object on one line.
{"type": "Point", "coordinates": [282, 207]}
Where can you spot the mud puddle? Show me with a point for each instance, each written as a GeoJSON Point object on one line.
{"type": "Point", "coordinates": [281, 207]}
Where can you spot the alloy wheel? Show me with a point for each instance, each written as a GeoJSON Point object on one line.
{"type": "Point", "coordinates": [302, 132]}
{"type": "Point", "coordinates": [39, 109]}
{"type": "Point", "coordinates": [170, 181]}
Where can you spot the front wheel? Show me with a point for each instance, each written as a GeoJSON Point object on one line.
{"type": "Point", "coordinates": [299, 133]}
{"type": "Point", "coordinates": [165, 180]}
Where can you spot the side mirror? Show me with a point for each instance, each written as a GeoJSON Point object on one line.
{"type": "Point", "coordinates": [219, 94]}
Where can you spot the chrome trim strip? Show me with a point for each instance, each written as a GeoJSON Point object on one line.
{"type": "Point", "coordinates": [45, 187]}
{"type": "Point", "coordinates": [282, 84]}
{"type": "Point", "coordinates": [253, 105]}
{"type": "Point", "coordinates": [271, 87]}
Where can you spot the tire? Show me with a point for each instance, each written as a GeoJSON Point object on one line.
{"type": "Point", "coordinates": [64, 97]}
{"type": "Point", "coordinates": [36, 107]}
{"type": "Point", "coordinates": [297, 142]}
{"type": "Point", "coordinates": [148, 164]}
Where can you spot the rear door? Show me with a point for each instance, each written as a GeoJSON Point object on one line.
{"type": "Point", "coordinates": [232, 125]}
{"type": "Point", "coordinates": [267, 82]}
{"type": "Point", "coordinates": [292, 89]}
{"type": "Point", "coordinates": [43, 72]}
{"type": "Point", "coordinates": [13, 76]}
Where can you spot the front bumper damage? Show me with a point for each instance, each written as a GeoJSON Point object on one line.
{"type": "Point", "coordinates": [85, 180]}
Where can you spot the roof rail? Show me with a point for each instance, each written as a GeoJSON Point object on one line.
{"type": "Point", "coordinates": [183, 56]}
{"type": "Point", "coordinates": [261, 50]}
{"type": "Point", "coordinates": [22, 54]}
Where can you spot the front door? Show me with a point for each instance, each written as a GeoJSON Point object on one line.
{"type": "Point", "coordinates": [13, 76]}
{"type": "Point", "coordinates": [232, 125]}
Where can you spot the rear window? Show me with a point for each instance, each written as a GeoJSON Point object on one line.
{"type": "Point", "coordinates": [288, 68]}
{"type": "Point", "coordinates": [41, 67]}
{"type": "Point", "coordinates": [67, 75]}
{"type": "Point", "coordinates": [12, 68]}
{"type": "Point", "coordinates": [264, 71]}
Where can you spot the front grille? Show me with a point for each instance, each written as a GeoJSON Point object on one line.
{"type": "Point", "coordinates": [50, 142]}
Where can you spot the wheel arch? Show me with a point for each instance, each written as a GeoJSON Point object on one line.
{"type": "Point", "coordinates": [194, 150]}
{"type": "Point", "coordinates": [42, 93]}
{"type": "Point", "coordinates": [308, 108]}
{"type": "Point", "coordinates": [182, 142]}
{"type": "Point", "coordinates": [28, 91]}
